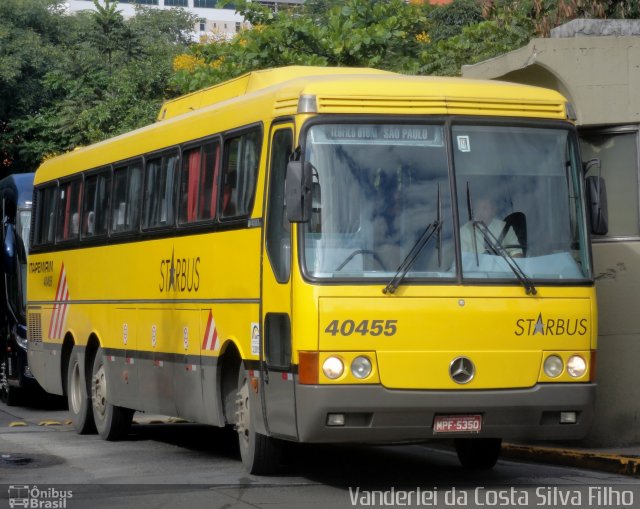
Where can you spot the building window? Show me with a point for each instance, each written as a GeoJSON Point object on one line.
{"type": "Point", "coordinates": [207, 4]}
{"type": "Point", "coordinates": [142, 2]}
{"type": "Point", "coordinates": [176, 3]}
{"type": "Point", "coordinates": [238, 27]}
{"type": "Point", "coordinates": [203, 24]}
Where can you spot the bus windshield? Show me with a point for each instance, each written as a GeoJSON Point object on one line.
{"type": "Point", "coordinates": [377, 187]}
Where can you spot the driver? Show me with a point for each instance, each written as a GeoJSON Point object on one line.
{"type": "Point", "coordinates": [485, 211]}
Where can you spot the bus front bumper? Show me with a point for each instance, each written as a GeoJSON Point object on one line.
{"type": "Point", "coordinates": [374, 414]}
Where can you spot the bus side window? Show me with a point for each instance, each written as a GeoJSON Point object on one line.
{"type": "Point", "coordinates": [209, 181]}
{"type": "Point", "coordinates": [96, 204]}
{"type": "Point", "coordinates": [67, 223]}
{"type": "Point", "coordinates": [278, 228]}
{"type": "Point", "coordinates": [198, 183]}
{"type": "Point", "coordinates": [159, 191]}
{"type": "Point", "coordinates": [189, 184]}
{"type": "Point", "coordinates": [241, 160]}
{"type": "Point", "coordinates": [45, 207]}
{"type": "Point", "coordinates": [125, 205]}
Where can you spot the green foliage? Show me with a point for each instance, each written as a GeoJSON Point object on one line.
{"type": "Point", "coordinates": [449, 20]}
{"type": "Point", "coordinates": [70, 80]}
{"type": "Point", "coordinates": [383, 34]}
{"type": "Point", "coordinates": [507, 31]}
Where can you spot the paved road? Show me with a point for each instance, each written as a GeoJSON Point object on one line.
{"type": "Point", "coordinates": [186, 465]}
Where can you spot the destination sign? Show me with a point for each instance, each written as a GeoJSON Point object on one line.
{"type": "Point", "coordinates": [378, 134]}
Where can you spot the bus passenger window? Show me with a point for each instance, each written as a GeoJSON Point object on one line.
{"type": "Point", "coordinates": [67, 223]}
{"type": "Point", "coordinates": [96, 204]}
{"type": "Point", "coordinates": [189, 183]}
{"type": "Point", "coordinates": [159, 192]}
{"type": "Point", "coordinates": [198, 183]}
{"type": "Point", "coordinates": [241, 160]}
{"type": "Point", "coordinates": [209, 182]}
{"type": "Point", "coordinates": [45, 206]}
{"type": "Point", "coordinates": [125, 213]}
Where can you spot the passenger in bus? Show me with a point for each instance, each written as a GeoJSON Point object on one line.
{"type": "Point", "coordinates": [472, 240]}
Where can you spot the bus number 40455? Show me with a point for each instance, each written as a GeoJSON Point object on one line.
{"type": "Point", "coordinates": [365, 327]}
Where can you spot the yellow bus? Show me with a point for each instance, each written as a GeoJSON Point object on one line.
{"type": "Point", "coordinates": [324, 255]}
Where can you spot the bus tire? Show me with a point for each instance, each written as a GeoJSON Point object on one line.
{"type": "Point", "coordinates": [112, 422]}
{"type": "Point", "coordinates": [261, 455]}
{"type": "Point", "coordinates": [77, 397]}
{"type": "Point", "coordinates": [10, 396]}
{"type": "Point", "coordinates": [478, 453]}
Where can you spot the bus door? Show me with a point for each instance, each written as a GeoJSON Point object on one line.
{"type": "Point", "coordinates": [276, 368]}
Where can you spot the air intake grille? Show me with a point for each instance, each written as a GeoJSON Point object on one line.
{"type": "Point", "coordinates": [34, 332]}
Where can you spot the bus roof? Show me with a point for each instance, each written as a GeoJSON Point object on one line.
{"type": "Point", "coordinates": [251, 82]}
{"type": "Point", "coordinates": [19, 188]}
{"type": "Point", "coordinates": [276, 93]}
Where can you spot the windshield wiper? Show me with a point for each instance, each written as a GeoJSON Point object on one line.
{"type": "Point", "coordinates": [417, 248]}
{"type": "Point", "coordinates": [498, 249]}
{"type": "Point", "coordinates": [427, 234]}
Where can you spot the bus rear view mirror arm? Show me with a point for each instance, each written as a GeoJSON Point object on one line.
{"type": "Point", "coordinates": [597, 205]}
{"type": "Point", "coordinates": [298, 191]}
{"type": "Point", "coordinates": [9, 249]}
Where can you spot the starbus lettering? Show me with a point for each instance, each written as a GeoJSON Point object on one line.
{"type": "Point", "coordinates": [551, 326]}
{"type": "Point", "coordinates": [179, 274]}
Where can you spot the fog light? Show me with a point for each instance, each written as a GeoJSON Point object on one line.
{"type": "Point", "coordinates": [553, 366]}
{"type": "Point", "coordinates": [568, 418]}
{"type": "Point", "coordinates": [576, 366]}
{"type": "Point", "coordinates": [333, 368]}
{"type": "Point", "coordinates": [335, 419]}
{"type": "Point", "coordinates": [361, 367]}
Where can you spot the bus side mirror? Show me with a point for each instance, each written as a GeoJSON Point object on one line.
{"type": "Point", "coordinates": [597, 205]}
{"type": "Point", "coordinates": [9, 249]}
{"type": "Point", "coordinates": [298, 191]}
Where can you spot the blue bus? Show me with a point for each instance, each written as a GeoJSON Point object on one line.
{"type": "Point", "coordinates": [16, 192]}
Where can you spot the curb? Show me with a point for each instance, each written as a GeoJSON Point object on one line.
{"type": "Point", "coordinates": [615, 463]}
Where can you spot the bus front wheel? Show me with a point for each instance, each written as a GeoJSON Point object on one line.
{"type": "Point", "coordinates": [261, 455]}
{"type": "Point", "coordinates": [77, 397]}
{"type": "Point", "coordinates": [112, 422]}
{"type": "Point", "coordinates": [478, 453]}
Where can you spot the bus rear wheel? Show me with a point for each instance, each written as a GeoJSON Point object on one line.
{"type": "Point", "coordinates": [112, 422]}
{"type": "Point", "coordinates": [261, 455]}
{"type": "Point", "coordinates": [77, 397]}
{"type": "Point", "coordinates": [478, 453]}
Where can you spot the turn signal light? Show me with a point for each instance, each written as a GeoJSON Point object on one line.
{"type": "Point", "coordinates": [308, 367]}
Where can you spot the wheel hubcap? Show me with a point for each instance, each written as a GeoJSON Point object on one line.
{"type": "Point", "coordinates": [75, 389]}
{"type": "Point", "coordinates": [243, 416]}
{"type": "Point", "coordinates": [99, 387]}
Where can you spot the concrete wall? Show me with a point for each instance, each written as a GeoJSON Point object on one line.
{"type": "Point", "coordinates": [599, 75]}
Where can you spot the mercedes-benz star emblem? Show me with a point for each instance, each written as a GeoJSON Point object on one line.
{"type": "Point", "coordinates": [462, 370]}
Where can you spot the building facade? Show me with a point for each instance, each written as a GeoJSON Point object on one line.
{"type": "Point", "coordinates": [212, 20]}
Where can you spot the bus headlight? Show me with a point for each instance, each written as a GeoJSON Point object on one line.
{"type": "Point", "coordinates": [333, 368]}
{"type": "Point", "coordinates": [22, 342]}
{"type": "Point", "coordinates": [361, 367]}
{"type": "Point", "coordinates": [576, 366]}
{"type": "Point", "coordinates": [553, 366]}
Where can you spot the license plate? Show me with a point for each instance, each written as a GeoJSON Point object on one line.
{"type": "Point", "coordinates": [457, 424]}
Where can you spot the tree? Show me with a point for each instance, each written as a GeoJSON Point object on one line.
{"type": "Point", "coordinates": [388, 34]}
{"type": "Point", "coordinates": [77, 79]}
